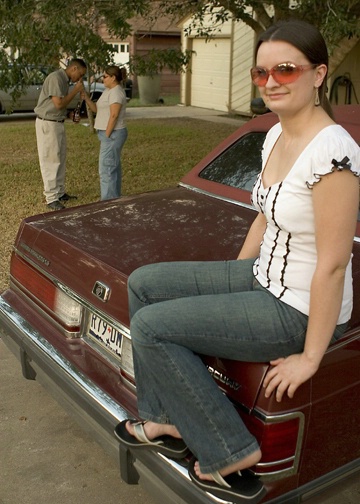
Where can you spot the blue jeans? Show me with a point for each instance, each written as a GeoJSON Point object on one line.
{"type": "Point", "coordinates": [110, 162]}
{"type": "Point", "coordinates": [179, 310]}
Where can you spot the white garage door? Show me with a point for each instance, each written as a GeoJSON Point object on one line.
{"type": "Point", "coordinates": [210, 74]}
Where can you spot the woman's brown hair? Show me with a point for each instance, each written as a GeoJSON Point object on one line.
{"type": "Point", "coordinates": [307, 39]}
{"type": "Point", "coordinates": [115, 71]}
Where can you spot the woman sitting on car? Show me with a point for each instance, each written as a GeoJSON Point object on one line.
{"type": "Point", "coordinates": [286, 298]}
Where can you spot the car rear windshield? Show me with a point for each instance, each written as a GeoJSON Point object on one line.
{"type": "Point", "coordinates": [239, 165]}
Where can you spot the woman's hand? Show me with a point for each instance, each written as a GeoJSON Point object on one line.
{"type": "Point", "coordinates": [92, 105]}
{"type": "Point", "coordinates": [287, 374]}
{"type": "Point", "coordinates": [335, 202]}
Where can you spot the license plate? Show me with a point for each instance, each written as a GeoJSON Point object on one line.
{"type": "Point", "coordinates": [105, 333]}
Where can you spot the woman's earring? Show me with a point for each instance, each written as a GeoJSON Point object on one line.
{"type": "Point", "coordinates": [317, 99]}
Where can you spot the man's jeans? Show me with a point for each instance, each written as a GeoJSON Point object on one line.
{"type": "Point", "coordinates": [110, 162]}
{"type": "Point", "coordinates": [179, 310]}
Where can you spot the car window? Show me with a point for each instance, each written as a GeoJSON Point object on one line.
{"type": "Point", "coordinates": [239, 165]}
{"type": "Point", "coordinates": [36, 76]}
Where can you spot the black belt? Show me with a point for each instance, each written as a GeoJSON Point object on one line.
{"type": "Point", "coordinates": [52, 120]}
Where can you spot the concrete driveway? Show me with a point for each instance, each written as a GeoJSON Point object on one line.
{"type": "Point", "coordinates": [156, 112]}
{"type": "Point", "coordinates": [46, 458]}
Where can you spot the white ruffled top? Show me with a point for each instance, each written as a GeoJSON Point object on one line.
{"type": "Point", "coordinates": [288, 256]}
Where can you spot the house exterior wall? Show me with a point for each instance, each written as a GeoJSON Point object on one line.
{"type": "Point", "coordinates": [219, 76]}
{"type": "Point", "coordinates": [238, 89]}
{"type": "Point", "coordinates": [162, 34]}
{"type": "Point", "coordinates": [141, 44]}
{"type": "Point", "coordinates": [242, 54]}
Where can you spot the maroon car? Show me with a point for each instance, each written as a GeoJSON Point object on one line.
{"type": "Point", "coordinates": [65, 316]}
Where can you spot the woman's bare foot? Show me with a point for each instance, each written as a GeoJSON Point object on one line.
{"type": "Point", "coordinates": [245, 463]}
{"type": "Point", "coordinates": [154, 430]}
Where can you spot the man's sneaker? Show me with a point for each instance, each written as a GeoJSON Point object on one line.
{"type": "Point", "coordinates": [67, 197]}
{"type": "Point", "coordinates": [56, 205]}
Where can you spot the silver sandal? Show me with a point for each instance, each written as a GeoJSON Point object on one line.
{"type": "Point", "coordinates": [166, 445]}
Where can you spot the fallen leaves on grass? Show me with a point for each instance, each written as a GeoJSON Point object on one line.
{"type": "Point", "coordinates": [157, 154]}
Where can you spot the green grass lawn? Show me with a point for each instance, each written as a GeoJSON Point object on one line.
{"type": "Point", "coordinates": [156, 155]}
{"type": "Point", "coordinates": [166, 100]}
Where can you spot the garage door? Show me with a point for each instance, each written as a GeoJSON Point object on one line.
{"type": "Point", "coordinates": [210, 74]}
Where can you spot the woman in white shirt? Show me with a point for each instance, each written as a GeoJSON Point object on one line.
{"type": "Point", "coordinates": [283, 301]}
{"type": "Point", "coordinates": [110, 125]}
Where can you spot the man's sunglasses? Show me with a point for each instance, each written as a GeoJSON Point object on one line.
{"type": "Point", "coordinates": [284, 73]}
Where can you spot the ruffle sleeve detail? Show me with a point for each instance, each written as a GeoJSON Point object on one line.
{"type": "Point", "coordinates": [336, 151]}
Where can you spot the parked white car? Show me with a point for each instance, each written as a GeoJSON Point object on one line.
{"type": "Point", "coordinates": [28, 100]}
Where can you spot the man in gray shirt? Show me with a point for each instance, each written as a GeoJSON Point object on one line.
{"type": "Point", "coordinates": [51, 112]}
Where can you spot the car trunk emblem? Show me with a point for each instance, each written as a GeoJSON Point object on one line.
{"type": "Point", "coordinates": [101, 291]}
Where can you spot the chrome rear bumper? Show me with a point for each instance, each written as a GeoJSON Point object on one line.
{"type": "Point", "coordinates": [95, 411]}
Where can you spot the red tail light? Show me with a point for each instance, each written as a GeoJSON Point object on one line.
{"type": "Point", "coordinates": [280, 440]}
{"type": "Point", "coordinates": [46, 294]}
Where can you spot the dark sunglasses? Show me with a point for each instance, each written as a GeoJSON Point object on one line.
{"type": "Point", "coordinates": [284, 73]}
